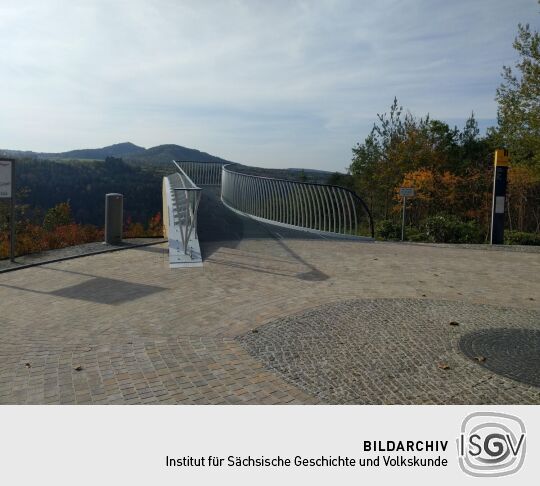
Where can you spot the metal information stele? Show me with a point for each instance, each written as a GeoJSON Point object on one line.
{"type": "Point", "coordinates": [7, 191]}
{"type": "Point", "coordinates": [500, 177]}
{"type": "Point", "coordinates": [405, 192]}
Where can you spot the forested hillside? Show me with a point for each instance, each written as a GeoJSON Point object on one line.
{"type": "Point", "coordinates": [61, 204]}
{"type": "Point", "coordinates": [43, 184]}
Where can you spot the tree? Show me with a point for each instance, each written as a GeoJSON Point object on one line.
{"type": "Point", "coordinates": [365, 170]}
{"type": "Point", "coordinates": [399, 144]}
{"type": "Point", "coordinates": [518, 97]}
{"type": "Point", "coordinates": [523, 199]}
{"type": "Point", "coordinates": [59, 215]}
{"type": "Point", "coordinates": [302, 177]}
{"type": "Point", "coordinates": [476, 153]}
{"type": "Point", "coordinates": [374, 165]}
{"type": "Point", "coordinates": [451, 169]}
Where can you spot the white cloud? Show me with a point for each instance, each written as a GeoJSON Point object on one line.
{"type": "Point", "coordinates": [268, 83]}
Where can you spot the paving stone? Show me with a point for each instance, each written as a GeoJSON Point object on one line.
{"type": "Point", "coordinates": [186, 339]}
{"type": "Point", "coordinates": [386, 351]}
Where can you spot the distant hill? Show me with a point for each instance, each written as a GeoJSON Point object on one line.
{"type": "Point", "coordinates": [162, 154]}
{"type": "Point", "coordinates": [120, 150]}
{"type": "Point", "coordinates": [83, 177]}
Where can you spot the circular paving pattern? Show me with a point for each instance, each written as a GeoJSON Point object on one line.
{"type": "Point", "coordinates": [371, 351]}
{"type": "Point", "coordinates": [514, 353]}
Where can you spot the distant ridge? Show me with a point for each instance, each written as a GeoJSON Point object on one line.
{"type": "Point", "coordinates": [125, 149]}
{"type": "Point", "coordinates": [162, 154]}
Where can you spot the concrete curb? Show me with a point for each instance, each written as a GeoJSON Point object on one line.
{"type": "Point", "coordinates": [82, 255]}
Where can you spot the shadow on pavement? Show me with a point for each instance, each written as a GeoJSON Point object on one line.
{"type": "Point", "coordinates": [219, 228]}
{"type": "Point", "coordinates": [100, 290]}
{"type": "Point", "coordinates": [218, 224]}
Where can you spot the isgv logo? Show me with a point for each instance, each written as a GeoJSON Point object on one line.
{"type": "Point", "coordinates": [491, 444]}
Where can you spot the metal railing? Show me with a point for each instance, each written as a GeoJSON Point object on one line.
{"type": "Point", "coordinates": [186, 196]}
{"type": "Point", "coordinates": [312, 206]}
{"type": "Point", "coordinates": [202, 173]}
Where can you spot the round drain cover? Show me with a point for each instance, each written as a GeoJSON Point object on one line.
{"type": "Point", "coordinates": [514, 353]}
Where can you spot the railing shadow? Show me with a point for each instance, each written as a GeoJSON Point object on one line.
{"type": "Point", "coordinates": [220, 228]}
{"type": "Point", "coordinates": [96, 289]}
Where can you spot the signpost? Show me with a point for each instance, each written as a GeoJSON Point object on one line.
{"type": "Point", "coordinates": [405, 192]}
{"type": "Point", "coordinates": [7, 191]}
{"type": "Point", "coordinates": [499, 195]}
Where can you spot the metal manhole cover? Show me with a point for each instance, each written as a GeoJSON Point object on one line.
{"type": "Point", "coordinates": [514, 353]}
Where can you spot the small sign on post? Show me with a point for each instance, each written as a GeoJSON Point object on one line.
{"type": "Point", "coordinates": [405, 192]}
{"type": "Point", "coordinates": [7, 191]}
{"type": "Point", "coordinates": [5, 178]}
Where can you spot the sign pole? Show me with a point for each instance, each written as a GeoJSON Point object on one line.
{"type": "Point", "coordinates": [499, 195]}
{"type": "Point", "coordinates": [12, 215]}
{"type": "Point", "coordinates": [405, 192]}
{"type": "Point", "coordinates": [403, 219]}
{"type": "Point", "coordinates": [7, 191]}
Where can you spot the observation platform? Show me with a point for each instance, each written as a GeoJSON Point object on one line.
{"type": "Point", "coordinates": [274, 316]}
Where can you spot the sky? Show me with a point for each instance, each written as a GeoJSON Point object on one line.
{"type": "Point", "coordinates": [265, 83]}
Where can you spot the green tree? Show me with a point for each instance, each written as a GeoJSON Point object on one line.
{"type": "Point", "coordinates": [373, 164]}
{"type": "Point", "coordinates": [518, 97]}
{"type": "Point", "coordinates": [59, 215]}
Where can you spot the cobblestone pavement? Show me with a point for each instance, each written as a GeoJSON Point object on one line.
{"type": "Point", "coordinates": [124, 328]}
{"type": "Point", "coordinates": [182, 370]}
{"type": "Point", "coordinates": [397, 351]}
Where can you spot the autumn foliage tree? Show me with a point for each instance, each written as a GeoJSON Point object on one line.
{"type": "Point", "coordinates": [58, 230]}
{"type": "Point", "coordinates": [524, 199]}
{"type": "Point", "coordinates": [452, 169]}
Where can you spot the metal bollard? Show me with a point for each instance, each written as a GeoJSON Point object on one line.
{"type": "Point", "coordinates": [114, 217]}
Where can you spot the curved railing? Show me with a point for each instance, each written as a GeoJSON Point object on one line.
{"type": "Point", "coordinates": [201, 173]}
{"type": "Point", "coordinates": [312, 206]}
